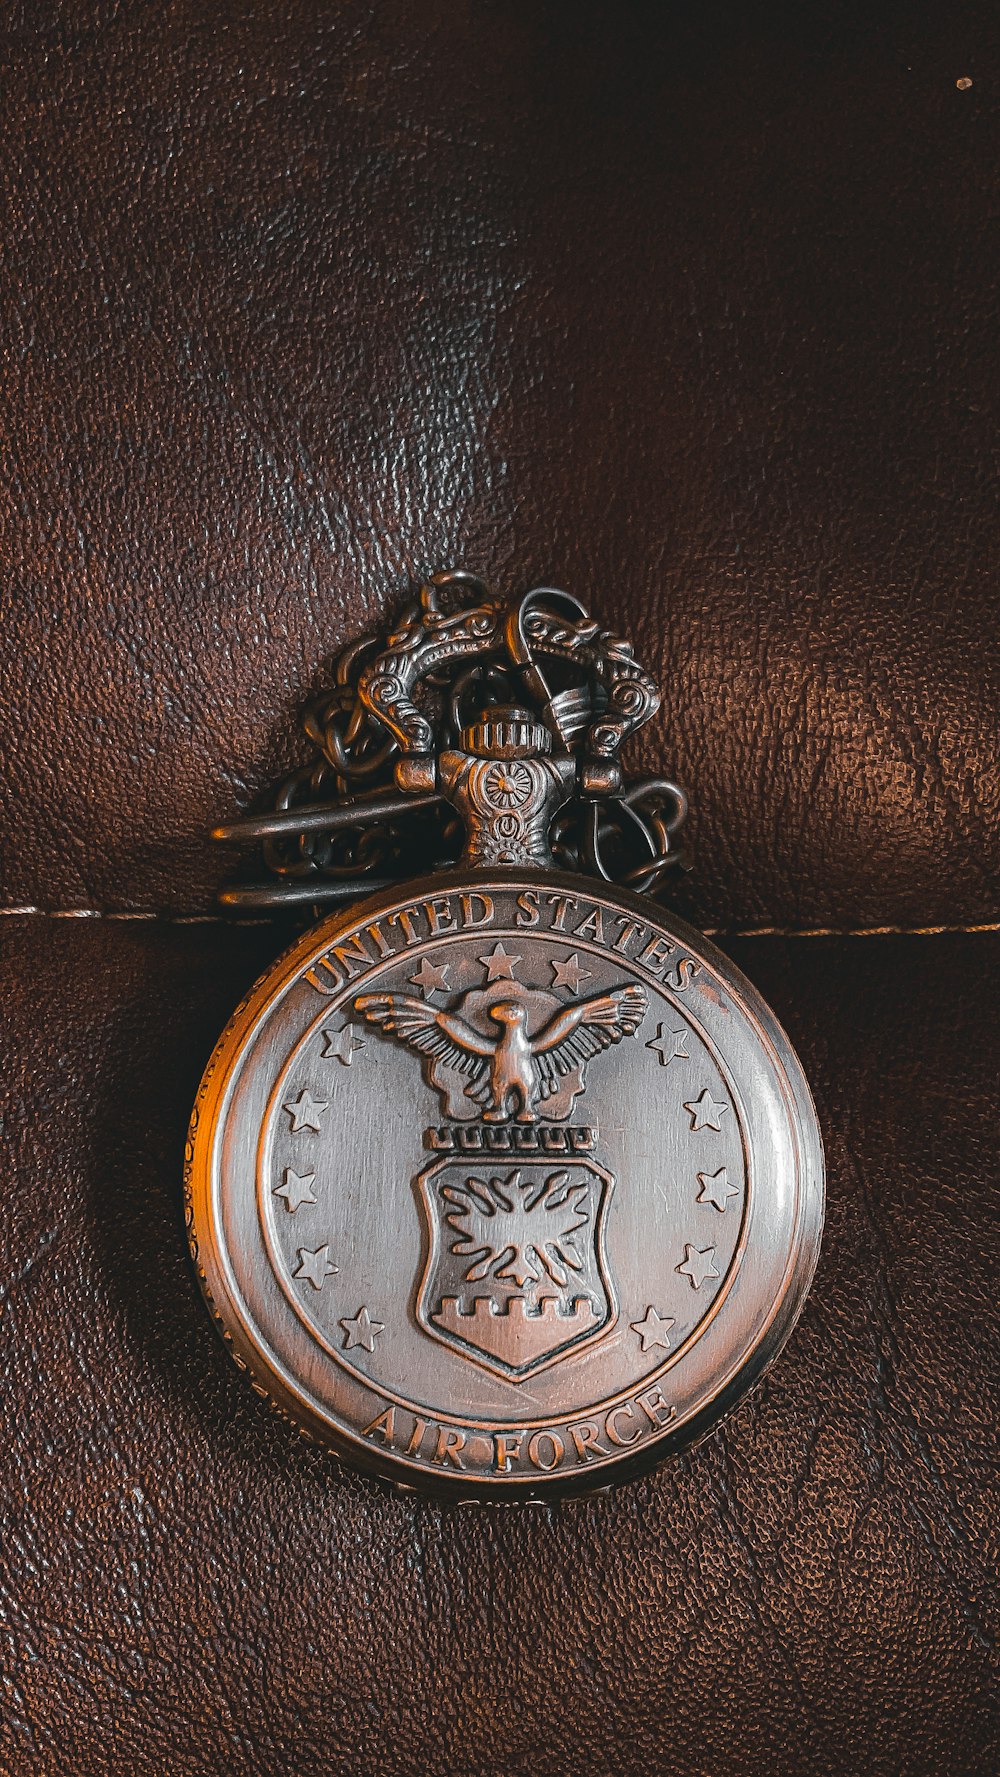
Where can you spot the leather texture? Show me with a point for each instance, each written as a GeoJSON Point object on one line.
{"type": "Point", "coordinates": [688, 309]}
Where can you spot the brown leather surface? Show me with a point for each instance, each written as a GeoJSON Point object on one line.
{"type": "Point", "coordinates": [691, 310]}
{"type": "Point", "coordinates": [187, 1588]}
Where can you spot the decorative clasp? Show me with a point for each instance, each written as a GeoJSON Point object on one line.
{"type": "Point", "coordinates": [478, 719]}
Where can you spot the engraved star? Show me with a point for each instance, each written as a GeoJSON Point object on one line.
{"type": "Point", "coordinates": [339, 1045]}
{"type": "Point", "coordinates": [431, 978]}
{"type": "Point", "coordinates": [698, 1264]}
{"type": "Point", "coordinates": [362, 1330]}
{"type": "Point", "coordinates": [653, 1329]}
{"type": "Point", "coordinates": [716, 1189]}
{"type": "Point", "coordinates": [305, 1112]}
{"type": "Point", "coordinates": [667, 1045]}
{"type": "Point", "coordinates": [296, 1189]}
{"type": "Point", "coordinates": [705, 1113]}
{"type": "Point", "coordinates": [498, 965]}
{"type": "Point", "coordinates": [569, 974]}
{"type": "Point", "coordinates": [315, 1267]}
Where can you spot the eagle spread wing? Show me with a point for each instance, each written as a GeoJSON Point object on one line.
{"type": "Point", "coordinates": [441, 1035]}
{"type": "Point", "coordinates": [579, 1032]}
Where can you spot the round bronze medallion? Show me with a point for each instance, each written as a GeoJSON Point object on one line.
{"type": "Point", "coordinates": [507, 1188]}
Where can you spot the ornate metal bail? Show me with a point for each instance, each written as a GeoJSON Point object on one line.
{"type": "Point", "coordinates": [501, 718]}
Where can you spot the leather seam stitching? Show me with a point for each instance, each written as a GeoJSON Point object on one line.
{"type": "Point", "coordinates": [196, 919]}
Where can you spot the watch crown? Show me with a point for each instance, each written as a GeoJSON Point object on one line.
{"type": "Point", "coordinates": [506, 733]}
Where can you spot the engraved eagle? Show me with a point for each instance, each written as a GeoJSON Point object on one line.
{"type": "Point", "coordinates": [514, 1071]}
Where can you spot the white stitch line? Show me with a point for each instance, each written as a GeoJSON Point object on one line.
{"type": "Point", "coordinates": [227, 919]}
{"type": "Point", "coordinates": [174, 919]}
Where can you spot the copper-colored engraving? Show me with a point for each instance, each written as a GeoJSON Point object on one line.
{"type": "Point", "coordinates": [653, 1329]}
{"type": "Point", "coordinates": [361, 1330]}
{"type": "Point", "coordinates": [315, 1266]}
{"type": "Point", "coordinates": [698, 1264]}
{"type": "Point", "coordinates": [516, 1272]}
{"type": "Point", "coordinates": [516, 1053]}
{"type": "Point", "coordinates": [296, 1189]}
{"type": "Point", "coordinates": [705, 1112]}
{"type": "Point", "coordinates": [716, 1189]}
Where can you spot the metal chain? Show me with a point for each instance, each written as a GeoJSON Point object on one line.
{"type": "Point", "coordinates": [339, 827]}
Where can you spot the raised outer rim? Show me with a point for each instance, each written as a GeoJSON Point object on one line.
{"type": "Point", "coordinates": [211, 1268]}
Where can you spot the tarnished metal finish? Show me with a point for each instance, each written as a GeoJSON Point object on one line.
{"type": "Point", "coordinates": [508, 1184]}
{"type": "Point", "coordinates": [369, 810]}
{"type": "Point", "coordinates": [507, 1188]}
{"type": "Point", "coordinates": [520, 637]}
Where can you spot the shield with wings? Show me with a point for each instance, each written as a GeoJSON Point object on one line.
{"type": "Point", "coordinates": [509, 1065]}
{"type": "Point", "coordinates": [515, 1275]}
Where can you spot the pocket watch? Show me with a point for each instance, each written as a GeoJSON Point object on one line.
{"type": "Point", "coordinates": [503, 1181]}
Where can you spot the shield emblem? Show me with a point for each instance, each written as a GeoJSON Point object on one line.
{"type": "Point", "coordinates": [515, 1276]}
